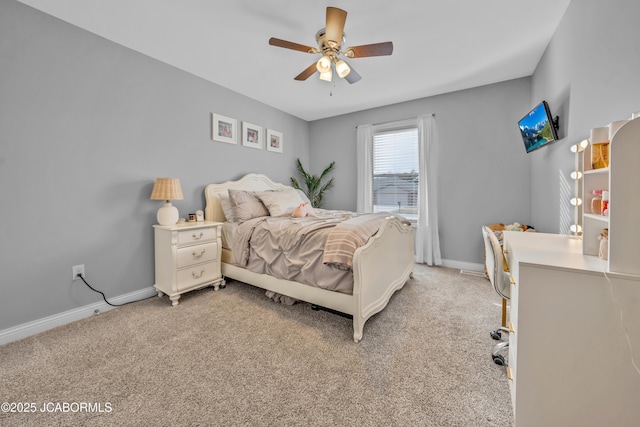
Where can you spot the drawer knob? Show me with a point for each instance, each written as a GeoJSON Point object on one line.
{"type": "Point", "coordinates": [195, 255]}
{"type": "Point", "coordinates": [196, 236]}
{"type": "Point", "coordinates": [196, 275]}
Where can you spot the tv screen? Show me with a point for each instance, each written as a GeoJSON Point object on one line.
{"type": "Point", "coordinates": [538, 128]}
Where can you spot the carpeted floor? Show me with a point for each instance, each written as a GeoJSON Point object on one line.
{"type": "Point", "coordinates": [235, 358]}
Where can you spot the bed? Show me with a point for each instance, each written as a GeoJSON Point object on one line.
{"type": "Point", "coordinates": [378, 268]}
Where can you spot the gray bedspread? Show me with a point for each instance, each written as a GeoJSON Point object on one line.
{"type": "Point", "coordinates": [292, 248]}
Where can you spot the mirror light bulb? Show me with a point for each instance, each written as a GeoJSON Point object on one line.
{"type": "Point", "coordinates": [576, 148]}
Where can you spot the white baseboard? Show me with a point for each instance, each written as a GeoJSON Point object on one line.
{"type": "Point", "coordinates": [27, 329]}
{"type": "Point", "coordinates": [461, 265]}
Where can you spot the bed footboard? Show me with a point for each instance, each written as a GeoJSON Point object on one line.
{"type": "Point", "coordinates": [380, 268]}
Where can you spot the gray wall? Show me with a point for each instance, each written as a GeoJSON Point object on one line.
{"type": "Point", "coordinates": [86, 126]}
{"type": "Point", "coordinates": [484, 170]}
{"type": "Point", "coordinates": [590, 74]}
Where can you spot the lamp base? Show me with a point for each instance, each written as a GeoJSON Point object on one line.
{"type": "Point", "coordinates": [168, 214]}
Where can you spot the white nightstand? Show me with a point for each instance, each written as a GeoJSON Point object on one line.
{"type": "Point", "coordinates": [187, 257]}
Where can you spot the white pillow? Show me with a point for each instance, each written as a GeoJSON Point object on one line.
{"type": "Point", "coordinates": [225, 202]}
{"type": "Point", "coordinates": [280, 203]}
{"type": "Point", "coordinates": [246, 205]}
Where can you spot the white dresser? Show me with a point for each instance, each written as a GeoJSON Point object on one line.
{"type": "Point", "coordinates": [187, 257]}
{"type": "Point", "coordinates": [574, 345]}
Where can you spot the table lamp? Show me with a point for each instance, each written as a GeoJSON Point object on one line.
{"type": "Point", "coordinates": [167, 189]}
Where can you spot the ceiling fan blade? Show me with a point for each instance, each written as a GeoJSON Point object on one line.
{"type": "Point", "coordinates": [308, 72]}
{"type": "Point", "coordinates": [291, 45]}
{"type": "Point", "coordinates": [335, 25]}
{"type": "Point", "coordinates": [353, 76]}
{"type": "Point", "coordinates": [375, 49]}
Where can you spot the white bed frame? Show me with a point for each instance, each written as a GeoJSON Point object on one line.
{"type": "Point", "coordinates": [380, 268]}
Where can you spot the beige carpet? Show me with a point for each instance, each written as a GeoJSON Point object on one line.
{"type": "Point", "coordinates": [235, 358]}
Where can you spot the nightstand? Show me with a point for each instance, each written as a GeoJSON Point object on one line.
{"type": "Point", "coordinates": [187, 257]}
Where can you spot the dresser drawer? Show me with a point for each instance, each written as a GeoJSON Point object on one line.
{"type": "Point", "coordinates": [197, 274]}
{"type": "Point", "coordinates": [191, 255]}
{"type": "Point", "coordinates": [198, 235]}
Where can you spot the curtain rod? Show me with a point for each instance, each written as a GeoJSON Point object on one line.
{"type": "Point", "coordinates": [384, 123]}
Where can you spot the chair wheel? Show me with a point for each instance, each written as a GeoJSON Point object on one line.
{"type": "Point", "coordinates": [498, 359]}
{"type": "Point", "coordinates": [496, 335]}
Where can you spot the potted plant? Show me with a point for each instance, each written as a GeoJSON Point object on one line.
{"type": "Point", "coordinates": [315, 189]}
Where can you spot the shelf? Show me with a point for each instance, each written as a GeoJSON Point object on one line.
{"type": "Point", "coordinates": [621, 180]}
{"type": "Point", "coordinates": [597, 217]}
{"type": "Point", "coordinates": [596, 171]}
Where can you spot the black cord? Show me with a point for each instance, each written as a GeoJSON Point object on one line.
{"type": "Point", "coordinates": [105, 298]}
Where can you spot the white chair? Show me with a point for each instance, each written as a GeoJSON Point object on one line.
{"type": "Point", "coordinates": [500, 279]}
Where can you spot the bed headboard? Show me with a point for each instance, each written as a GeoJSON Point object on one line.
{"type": "Point", "coordinates": [250, 182]}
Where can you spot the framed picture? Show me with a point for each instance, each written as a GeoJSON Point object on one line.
{"type": "Point", "coordinates": [224, 129]}
{"type": "Point", "coordinates": [274, 141]}
{"type": "Point", "coordinates": [251, 135]}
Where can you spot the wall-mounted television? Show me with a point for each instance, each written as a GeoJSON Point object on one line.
{"type": "Point", "coordinates": [538, 128]}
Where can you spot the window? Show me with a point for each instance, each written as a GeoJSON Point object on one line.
{"type": "Point", "coordinates": [395, 168]}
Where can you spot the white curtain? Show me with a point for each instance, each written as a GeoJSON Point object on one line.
{"type": "Point", "coordinates": [364, 139]}
{"type": "Point", "coordinates": [427, 237]}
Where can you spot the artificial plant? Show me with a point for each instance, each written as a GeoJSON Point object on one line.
{"type": "Point", "coordinates": [315, 190]}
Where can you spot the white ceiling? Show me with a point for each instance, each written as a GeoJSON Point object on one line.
{"type": "Point", "coordinates": [439, 45]}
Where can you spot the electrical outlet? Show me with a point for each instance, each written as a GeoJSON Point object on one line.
{"type": "Point", "coordinates": [77, 270]}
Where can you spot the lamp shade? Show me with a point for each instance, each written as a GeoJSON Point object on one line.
{"type": "Point", "coordinates": [324, 64]}
{"type": "Point", "coordinates": [326, 76]}
{"type": "Point", "coordinates": [342, 68]}
{"type": "Point", "coordinates": [167, 189]}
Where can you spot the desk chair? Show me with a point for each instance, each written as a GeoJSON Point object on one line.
{"type": "Point", "coordinates": [500, 279]}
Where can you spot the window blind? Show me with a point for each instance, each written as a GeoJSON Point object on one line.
{"type": "Point", "coordinates": [395, 167]}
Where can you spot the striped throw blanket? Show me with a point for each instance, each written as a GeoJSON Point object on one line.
{"type": "Point", "coordinates": [349, 235]}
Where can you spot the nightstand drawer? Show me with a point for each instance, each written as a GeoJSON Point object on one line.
{"type": "Point", "coordinates": [196, 254]}
{"type": "Point", "coordinates": [201, 273]}
{"type": "Point", "coordinates": [196, 236]}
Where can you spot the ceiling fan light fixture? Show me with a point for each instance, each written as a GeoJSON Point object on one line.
{"type": "Point", "coordinates": [342, 68]}
{"type": "Point", "coordinates": [326, 75]}
{"type": "Point", "coordinates": [330, 40]}
{"type": "Point", "coordinates": [324, 64]}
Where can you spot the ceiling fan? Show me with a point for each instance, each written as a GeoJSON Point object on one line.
{"type": "Point", "coordinates": [330, 40]}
